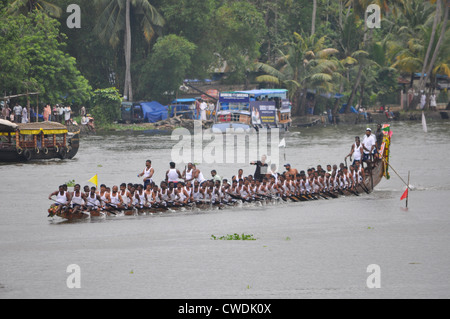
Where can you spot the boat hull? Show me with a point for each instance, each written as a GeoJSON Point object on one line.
{"type": "Point", "coordinates": [25, 155]}
{"type": "Point", "coordinates": [239, 128]}
{"type": "Point", "coordinates": [372, 178]}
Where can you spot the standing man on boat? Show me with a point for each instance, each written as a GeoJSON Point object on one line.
{"type": "Point", "coordinates": [369, 145]}
{"type": "Point", "coordinates": [357, 151]}
{"type": "Point", "coordinates": [173, 174]}
{"type": "Point", "coordinates": [261, 168]}
{"type": "Point", "coordinates": [147, 173]}
{"type": "Point", "coordinates": [198, 175]}
{"type": "Point", "coordinates": [188, 174]}
{"type": "Point", "coordinates": [379, 136]}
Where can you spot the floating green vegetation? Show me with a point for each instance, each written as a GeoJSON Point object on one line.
{"type": "Point", "coordinates": [71, 183]}
{"type": "Point", "coordinates": [234, 237]}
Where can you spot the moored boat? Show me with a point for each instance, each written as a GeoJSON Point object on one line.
{"type": "Point", "coordinates": [36, 141]}
{"type": "Point", "coordinates": [250, 111]}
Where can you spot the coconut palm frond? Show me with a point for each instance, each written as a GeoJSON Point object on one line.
{"type": "Point", "coordinates": [321, 78]}
{"type": "Point", "coordinates": [270, 70]}
{"type": "Point", "coordinates": [50, 8]}
{"type": "Point", "coordinates": [326, 53]}
{"type": "Point", "coordinates": [45, 6]}
{"type": "Point", "coordinates": [360, 54]}
{"type": "Point", "coordinates": [349, 61]}
{"type": "Point", "coordinates": [442, 68]}
{"type": "Point", "coordinates": [268, 79]}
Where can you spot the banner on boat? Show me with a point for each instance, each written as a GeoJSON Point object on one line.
{"type": "Point", "coordinates": [285, 106]}
{"type": "Point", "coordinates": [234, 98]}
{"type": "Point", "coordinates": [263, 112]}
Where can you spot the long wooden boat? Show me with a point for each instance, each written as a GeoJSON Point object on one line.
{"type": "Point", "coordinates": [36, 141]}
{"type": "Point", "coordinates": [374, 173]}
{"type": "Point", "coordinates": [371, 180]}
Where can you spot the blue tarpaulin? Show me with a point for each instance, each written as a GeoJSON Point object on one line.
{"type": "Point", "coordinates": [154, 111]}
{"type": "Point", "coordinates": [344, 106]}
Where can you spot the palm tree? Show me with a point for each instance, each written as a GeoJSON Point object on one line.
{"type": "Point", "coordinates": [30, 5]}
{"type": "Point", "coordinates": [307, 64]}
{"type": "Point", "coordinates": [361, 55]}
{"type": "Point", "coordinates": [313, 26]}
{"type": "Point", "coordinates": [428, 67]}
{"type": "Point", "coordinates": [422, 50]}
{"type": "Point", "coordinates": [115, 19]}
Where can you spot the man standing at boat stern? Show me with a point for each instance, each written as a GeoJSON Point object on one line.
{"type": "Point", "coordinates": [369, 145]}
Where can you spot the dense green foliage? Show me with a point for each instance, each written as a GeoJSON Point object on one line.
{"type": "Point", "coordinates": [271, 43]}
{"type": "Point", "coordinates": [32, 58]}
{"type": "Point", "coordinates": [170, 60]}
{"type": "Point", "coordinates": [106, 105]}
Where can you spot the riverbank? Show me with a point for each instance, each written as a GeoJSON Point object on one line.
{"type": "Point", "coordinates": [352, 118]}
{"type": "Point", "coordinates": [171, 124]}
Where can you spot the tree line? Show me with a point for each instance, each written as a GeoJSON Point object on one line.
{"type": "Point", "coordinates": [146, 48]}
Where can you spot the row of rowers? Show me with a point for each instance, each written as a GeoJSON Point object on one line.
{"type": "Point", "coordinates": [195, 189]}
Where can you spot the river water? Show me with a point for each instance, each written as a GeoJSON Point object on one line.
{"type": "Point", "coordinates": [320, 249]}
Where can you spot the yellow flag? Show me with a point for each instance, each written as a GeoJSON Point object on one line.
{"type": "Point", "coordinates": [94, 180]}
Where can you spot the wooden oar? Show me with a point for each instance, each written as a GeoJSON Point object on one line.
{"type": "Point", "coordinates": [364, 188]}
{"type": "Point", "coordinates": [321, 195]}
{"type": "Point", "coordinates": [330, 194]}
{"type": "Point", "coordinates": [114, 208]}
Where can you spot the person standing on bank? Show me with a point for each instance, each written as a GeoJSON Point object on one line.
{"type": "Point", "coordinates": [24, 115]}
{"type": "Point", "coordinates": [17, 113]}
{"type": "Point", "coordinates": [433, 105]}
{"type": "Point", "coordinates": [203, 107]}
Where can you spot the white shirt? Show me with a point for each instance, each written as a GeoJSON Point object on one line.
{"type": "Point", "coordinates": [172, 175]}
{"type": "Point", "coordinates": [17, 110]}
{"type": "Point", "coordinates": [433, 100]}
{"type": "Point", "coordinates": [356, 153]}
{"type": "Point", "coordinates": [24, 115]}
{"type": "Point", "coordinates": [368, 142]}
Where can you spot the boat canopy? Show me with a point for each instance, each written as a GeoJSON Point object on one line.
{"type": "Point", "coordinates": [282, 93]}
{"type": "Point", "coordinates": [48, 128]}
{"type": "Point", "coordinates": [7, 126]}
{"type": "Point", "coordinates": [183, 101]}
